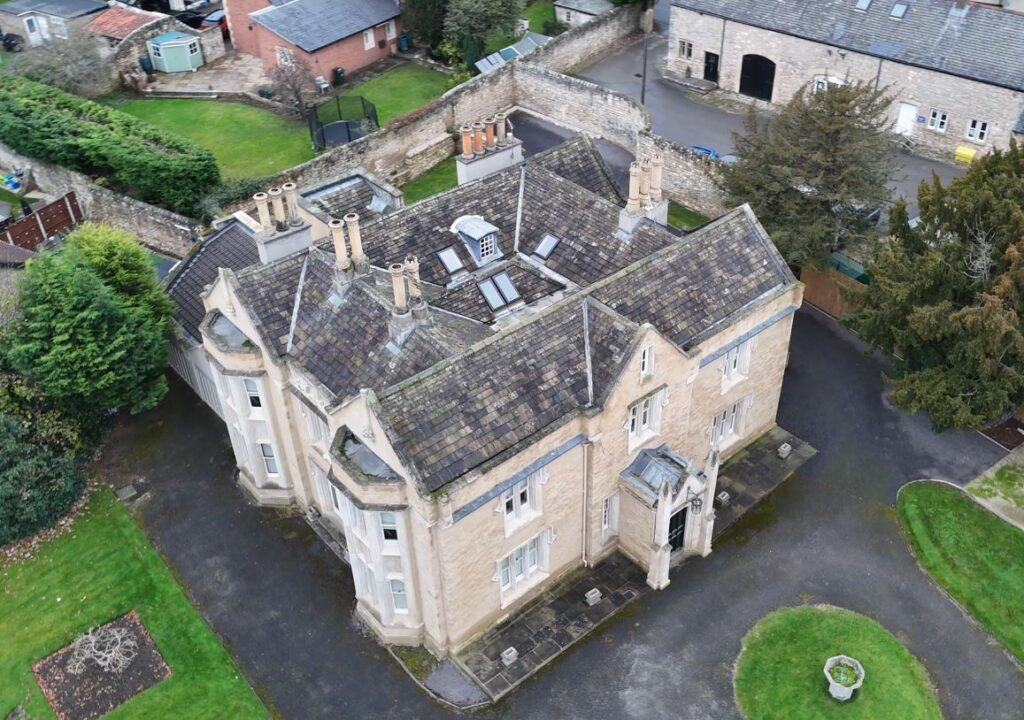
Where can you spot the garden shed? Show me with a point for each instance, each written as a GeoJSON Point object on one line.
{"type": "Point", "coordinates": [175, 52]}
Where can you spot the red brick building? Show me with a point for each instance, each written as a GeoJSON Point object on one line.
{"type": "Point", "coordinates": [325, 33]}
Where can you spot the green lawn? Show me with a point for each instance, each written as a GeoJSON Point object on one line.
{"type": "Point", "coordinates": [780, 670]}
{"type": "Point", "coordinates": [100, 570]}
{"type": "Point", "coordinates": [247, 141]}
{"type": "Point", "coordinates": [975, 556]}
{"type": "Point", "coordinates": [1006, 483]}
{"type": "Point", "coordinates": [401, 90]}
{"type": "Point", "coordinates": [537, 13]}
{"type": "Point", "coordinates": [437, 179]}
{"type": "Point", "coordinates": [8, 197]}
{"type": "Point", "coordinates": [682, 217]}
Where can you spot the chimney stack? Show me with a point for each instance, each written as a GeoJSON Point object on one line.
{"type": "Point", "coordinates": [341, 260]}
{"type": "Point", "coordinates": [645, 182]}
{"type": "Point", "coordinates": [467, 141]}
{"type": "Point", "coordinates": [499, 127]}
{"type": "Point", "coordinates": [633, 203]}
{"type": "Point", "coordinates": [263, 210]}
{"type": "Point", "coordinates": [278, 204]}
{"type": "Point", "coordinates": [657, 163]}
{"type": "Point", "coordinates": [397, 271]}
{"type": "Point", "coordinates": [355, 240]}
{"type": "Point", "coordinates": [489, 136]}
{"type": "Point", "coordinates": [416, 301]}
{"type": "Point", "coordinates": [291, 196]}
{"type": "Point", "coordinates": [478, 138]}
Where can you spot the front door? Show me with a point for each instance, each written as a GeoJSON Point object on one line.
{"type": "Point", "coordinates": [676, 529]}
{"type": "Point", "coordinates": [906, 120]}
{"type": "Point", "coordinates": [34, 32]}
{"type": "Point", "coordinates": [711, 67]}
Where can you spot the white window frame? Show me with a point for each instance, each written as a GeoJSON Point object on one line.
{"type": "Point", "coordinates": [736, 364]}
{"type": "Point", "coordinates": [610, 515]}
{"type": "Point", "coordinates": [821, 82]}
{"type": "Point", "coordinates": [390, 30]}
{"type": "Point", "coordinates": [399, 596]}
{"type": "Point", "coordinates": [727, 424]}
{"type": "Point", "coordinates": [269, 459]}
{"type": "Point", "coordinates": [251, 387]}
{"type": "Point", "coordinates": [521, 503]}
{"type": "Point", "coordinates": [488, 247]}
{"type": "Point", "coordinates": [938, 120]}
{"type": "Point", "coordinates": [643, 420]}
{"type": "Point", "coordinates": [389, 523]}
{"type": "Point", "coordinates": [685, 49]}
{"type": "Point", "coordinates": [977, 130]}
{"type": "Point", "coordinates": [285, 57]}
{"type": "Point", "coordinates": [59, 27]}
{"type": "Point", "coordinates": [369, 39]}
{"type": "Point", "coordinates": [646, 362]}
{"type": "Point", "coordinates": [523, 568]}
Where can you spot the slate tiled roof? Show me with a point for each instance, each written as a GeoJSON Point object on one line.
{"type": "Point", "coordinates": [355, 196]}
{"type": "Point", "coordinates": [689, 288]}
{"type": "Point", "coordinates": [959, 38]}
{"type": "Point", "coordinates": [467, 301]}
{"type": "Point", "coordinates": [119, 22]}
{"type": "Point", "coordinates": [340, 331]}
{"type": "Point", "coordinates": [484, 403]}
{"type": "Point", "coordinates": [231, 247]}
{"type": "Point", "coordinates": [13, 256]}
{"type": "Point", "coordinates": [578, 161]}
{"type": "Point", "coordinates": [313, 24]}
{"type": "Point", "coordinates": [59, 8]}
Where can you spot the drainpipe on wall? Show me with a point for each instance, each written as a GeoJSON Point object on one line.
{"type": "Point", "coordinates": [587, 451]}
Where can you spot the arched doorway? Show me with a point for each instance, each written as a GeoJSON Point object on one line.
{"type": "Point", "coordinates": [757, 77]}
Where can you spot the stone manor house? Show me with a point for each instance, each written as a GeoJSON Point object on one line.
{"type": "Point", "coordinates": [484, 390]}
{"type": "Point", "coordinates": [955, 68]}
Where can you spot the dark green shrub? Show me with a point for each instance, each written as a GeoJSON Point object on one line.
{"type": "Point", "coordinates": [143, 161]}
{"type": "Point", "coordinates": [36, 486]}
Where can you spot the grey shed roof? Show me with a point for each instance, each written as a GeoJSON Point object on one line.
{"type": "Point", "coordinates": [313, 24]}
{"type": "Point", "coordinates": [971, 41]}
{"type": "Point", "coordinates": [232, 247]}
{"type": "Point", "coordinates": [588, 7]}
{"type": "Point", "coordinates": [59, 8]}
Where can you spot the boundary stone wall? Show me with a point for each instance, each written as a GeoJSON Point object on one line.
{"type": "Point", "coordinates": [583, 44]}
{"type": "Point", "coordinates": [688, 178]}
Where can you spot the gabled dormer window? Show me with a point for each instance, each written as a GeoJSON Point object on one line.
{"type": "Point", "coordinates": [479, 237]}
{"type": "Point", "coordinates": [488, 247]}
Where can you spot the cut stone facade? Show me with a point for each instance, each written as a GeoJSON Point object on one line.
{"type": "Point", "coordinates": [710, 47]}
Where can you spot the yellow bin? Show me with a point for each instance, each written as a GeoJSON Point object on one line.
{"type": "Point", "coordinates": [965, 154]}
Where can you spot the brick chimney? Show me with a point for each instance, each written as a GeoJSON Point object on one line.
{"type": "Point", "coordinates": [487, 148]}
{"type": "Point", "coordinates": [489, 133]}
{"type": "Point", "coordinates": [645, 183]}
{"type": "Point", "coordinates": [657, 163]}
{"type": "Point", "coordinates": [467, 141]}
{"type": "Point", "coordinates": [286, 232]}
{"type": "Point", "coordinates": [263, 211]}
{"type": "Point", "coordinates": [337, 228]}
{"type": "Point", "coordinates": [412, 276]}
{"type": "Point", "coordinates": [291, 197]}
{"type": "Point", "coordinates": [633, 203]}
{"type": "Point", "coordinates": [401, 323]}
{"type": "Point", "coordinates": [500, 129]}
{"type": "Point", "coordinates": [355, 239]}
{"type": "Point", "coordinates": [277, 203]}
{"type": "Point", "coordinates": [478, 138]}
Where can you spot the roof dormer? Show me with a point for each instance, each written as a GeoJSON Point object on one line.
{"type": "Point", "coordinates": [479, 237]}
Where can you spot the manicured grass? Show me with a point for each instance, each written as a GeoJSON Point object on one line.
{"type": "Point", "coordinates": [437, 179]}
{"type": "Point", "coordinates": [247, 141]}
{"type": "Point", "coordinates": [681, 217]}
{"type": "Point", "coordinates": [780, 671]}
{"type": "Point", "coordinates": [100, 570]}
{"type": "Point", "coordinates": [976, 557]}
{"type": "Point", "coordinates": [8, 197]}
{"type": "Point", "coordinates": [537, 13]}
{"type": "Point", "coordinates": [401, 90]}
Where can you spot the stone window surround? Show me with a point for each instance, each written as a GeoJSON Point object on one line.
{"type": "Point", "coordinates": [643, 417]}
{"type": "Point", "coordinates": [736, 364]}
{"type": "Point", "coordinates": [938, 120]}
{"type": "Point", "coordinates": [532, 576]}
{"type": "Point", "coordinates": [521, 515]}
{"type": "Point", "coordinates": [684, 50]}
{"type": "Point", "coordinates": [980, 130]}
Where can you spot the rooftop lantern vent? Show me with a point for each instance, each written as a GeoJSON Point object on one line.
{"type": "Point", "coordinates": [479, 237]}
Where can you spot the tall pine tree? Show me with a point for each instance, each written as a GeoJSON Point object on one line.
{"type": "Point", "coordinates": [424, 19]}
{"type": "Point", "coordinates": [947, 296]}
{"type": "Point", "coordinates": [814, 170]}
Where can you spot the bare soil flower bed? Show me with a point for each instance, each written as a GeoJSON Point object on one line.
{"type": "Point", "coordinates": [94, 691]}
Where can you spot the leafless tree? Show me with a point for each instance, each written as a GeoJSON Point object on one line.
{"type": "Point", "coordinates": [112, 648]}
{"type": "Point", "coordinates": [293, 82]}
{"type": "Point", "coordinates": [76, 65]}
{"type": "Point", "coordinates": [979, 261]}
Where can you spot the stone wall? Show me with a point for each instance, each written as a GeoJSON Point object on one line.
{"type": "Point", "coordinates": [581, 105]}
{"type": "Point", "coordinates": [688, 178]}
{"type": "Point", "coordinates": [132, 48]}
{"type": "Point", "coordinates": [584, 44]}
{"type": "Point", "coordinates": [155, 227]}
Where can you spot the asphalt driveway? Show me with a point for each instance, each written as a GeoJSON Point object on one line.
{"type": "Point", "coordinates": [283, 604]}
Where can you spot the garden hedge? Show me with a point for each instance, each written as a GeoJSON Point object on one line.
{"type": "Point", "coordinates": [145, 162]}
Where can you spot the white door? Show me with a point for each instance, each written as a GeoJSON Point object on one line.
{"type": "Point", "coordinates": [35, 37]}
{"type": "Point", "coordinates": [906, 120]}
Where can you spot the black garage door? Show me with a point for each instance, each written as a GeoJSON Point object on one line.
{"type": "Point", "coordinates": [757, 77]}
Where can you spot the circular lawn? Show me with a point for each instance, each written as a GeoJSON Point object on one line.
{"type": "Point", "coordinates": [779, 673]}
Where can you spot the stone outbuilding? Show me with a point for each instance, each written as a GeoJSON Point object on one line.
{"type": "Point", "coordinates": [43, 21]}
{"type": "Point", "coordinates": [579, 12]}
{"type": "Point", "coordinates": [955, 69]}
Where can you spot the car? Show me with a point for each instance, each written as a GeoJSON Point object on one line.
{"type": "Point", "coordinates": [218, 18]}
{"type": "Point", "coordinates": [191, 18]}
{"type": "Point", "coordinates": [729, 159]}
{"type": "Point", "coordinates": [704, 150]}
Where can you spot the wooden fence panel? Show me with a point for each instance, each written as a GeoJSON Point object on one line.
{"type": "Point", "coordinates": [30, 232]}
{"type": "Point", "coordinates": [822, 290]}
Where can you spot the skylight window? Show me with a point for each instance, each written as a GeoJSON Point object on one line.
{"type": "Point", "coordinates": [450, 260]}
{"type": "Point", "coordinates": [863, 4]}
{"type": "Point", "coordinates": [498, 291]}
{"type": "Point", "coordinates": [547, 246]}
{"type": "Point", "coordinates": [898, 11]}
